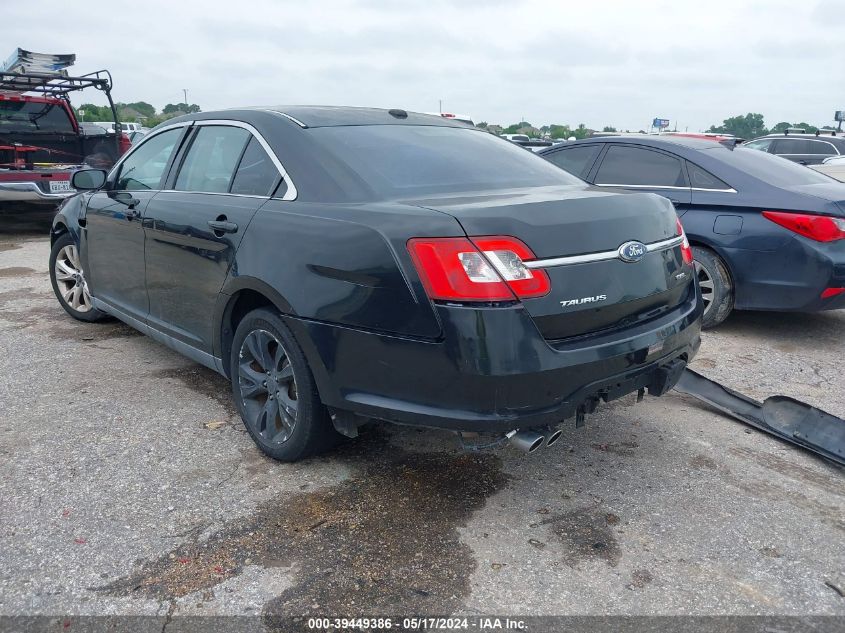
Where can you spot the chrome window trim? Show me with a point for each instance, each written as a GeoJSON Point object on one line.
{"type": "Point", "coordinates": [291, 192]}
{"type": "Point", "coordinates": [661, 245]}
{"type": "Point", "coordinates": [671, 187]}
{"type": "Point", "coordinates": [218, 193]}
{"type": "Point", "coordinates": [289, 117]}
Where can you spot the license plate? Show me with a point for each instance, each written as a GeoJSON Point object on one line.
{"type": "Point", "coordinates": [60, 186]}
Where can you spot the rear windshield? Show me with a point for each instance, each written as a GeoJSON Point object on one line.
{"type": "Point", "coordinates": [772, 169]}
{"type": "Point", "coordinates": [397, 160]}
{"type": "Point", "coordinates": [32, 116]}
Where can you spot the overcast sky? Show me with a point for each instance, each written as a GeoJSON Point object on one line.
{"type": "Point", "coordinates": [601, 62]}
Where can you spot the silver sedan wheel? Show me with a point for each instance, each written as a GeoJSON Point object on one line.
{"type": "Point", "coordinates": [70, 280]}
{"type": "Point", "coordinates": [705, 282]}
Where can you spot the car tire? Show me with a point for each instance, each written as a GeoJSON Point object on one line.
{"type": "Point", "coordinates": [68, 280]}
{"type": "Point", "coordinates": [275, 392]}
{"type": "Point", "coordinates": [717, 288]}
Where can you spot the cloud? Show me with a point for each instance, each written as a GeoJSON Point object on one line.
{"type": "Point", "coordinates": [607, 62]}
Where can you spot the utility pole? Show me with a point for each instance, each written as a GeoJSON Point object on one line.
{"type": "Point", "coordinates": [185, 93]}
{"type": "Point", "coordinates": [440, 105]}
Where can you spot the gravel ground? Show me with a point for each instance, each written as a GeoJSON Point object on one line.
{"type": "Point", "coordinates": [128, 486]}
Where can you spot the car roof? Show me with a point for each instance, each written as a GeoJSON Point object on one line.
{"type": "Point", "coordinates": [812, 136]}
{"type": "Point", "coordinates": [652, 140]}
{"type": "Point", "coordinates": [328, 116]}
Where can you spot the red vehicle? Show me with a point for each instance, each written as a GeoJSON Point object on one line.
{"type": "Point", "coordinates": [41, 141]}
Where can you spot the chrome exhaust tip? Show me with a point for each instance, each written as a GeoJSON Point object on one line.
{"type": "Point", "coordinates": [527, 441]}
{"type": "Point", "coordinates": [552, 436]}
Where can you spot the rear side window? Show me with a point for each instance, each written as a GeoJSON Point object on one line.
{"type": "Point", "coordinates": [576, 160]}
{"type": "Point", "coordinates": [144, 168]}
{"type": "Point", "coordinates": [256, 174]}
{"type": "Point", "coordinates": [703, 179]}
{"type": "Point", "coordinates": [623, 165]}
{"type": "Point", "coordinates": [822, 148]}
{"type": "Point", "coordinates": [210, 163]}
{"type": "Point", "coordinates": [792, 146]}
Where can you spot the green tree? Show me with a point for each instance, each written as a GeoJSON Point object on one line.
{"type": "Point", "coordinates": [142, 107]}
{"type": "Point", "coordinates": [94, 113]}
{"type": "Point", "coordinates": [173, 108]}
{"type": "Point", "coordinates": [608, 128]}
{"type": "Point", "coordinates": [559, 131]}
{"type": "Point", "coordinates": [750, 125]}
{"type": "Point", "coordinates": [582, 131]}
{"type": "Point", "coordinates": [482, 125]}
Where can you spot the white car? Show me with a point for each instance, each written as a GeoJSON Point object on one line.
{"type": "Point", "coordinates": [833, 167]}
{"type": "Point", "coordinates": [126, 127]}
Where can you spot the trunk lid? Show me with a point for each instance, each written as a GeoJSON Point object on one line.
{"type": "Point", "coordinates": [831, 192]}
{"type": "Point", "coordinates": [556, 222]}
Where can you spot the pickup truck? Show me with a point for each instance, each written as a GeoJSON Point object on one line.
{"type": "Point", "coordinates": [41, 141]}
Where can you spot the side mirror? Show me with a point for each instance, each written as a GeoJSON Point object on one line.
{"type": "Point", "coordinates": [88, 179]}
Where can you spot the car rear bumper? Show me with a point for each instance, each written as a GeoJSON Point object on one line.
{"type": "Point", "coordinates": [492, 371]}
{"type": "Point", "coordinates": [29, 192]}
{"type": "Point", "coordinates": [792, 278]}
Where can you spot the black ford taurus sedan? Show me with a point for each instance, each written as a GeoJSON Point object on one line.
{"type": "Point", "coordinates": [340, 264]}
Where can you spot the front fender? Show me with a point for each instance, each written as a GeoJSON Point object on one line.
{"type": "Point", "coordinates": [67, 218]}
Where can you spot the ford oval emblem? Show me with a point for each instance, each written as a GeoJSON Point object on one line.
{"type": "Point", "coordinates": [632, 251]}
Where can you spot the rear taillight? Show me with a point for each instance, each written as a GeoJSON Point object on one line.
{"type": "Point", "coordinates": [686, 251]}
{"type": "Point", "coordinates": [477, 269]}
{"type": "Point", "coordinates": [821, 228]}
{"type": "Point", "coordinates": [827, 293]}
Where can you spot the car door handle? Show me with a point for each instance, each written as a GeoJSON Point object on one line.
{"type": "Point", "coordinates": [223, 226]}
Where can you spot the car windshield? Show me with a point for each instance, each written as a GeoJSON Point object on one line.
{"type": "Point", "coordinates": [33, 116]}
{"type": "Point", "coordinates": [772, 169]}
{"type": "Point", "coordinates": [398, 160]}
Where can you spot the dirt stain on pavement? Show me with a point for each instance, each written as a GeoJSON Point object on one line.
{"type": "Point", "coordinates": [203, 381]}
{"type": "Point", "coordinates": [384, 541]}
{"type": "Point", "coordinates": [16, 271]}
{"type": "Point", "coordinates": [586, 536]}
{"type": "Point", "coordinates": [701, 462]}
{"type": "Point", "coordinates": [823, 480]}
{"type": "Point", "coordinates": [58, 325]}
{"type": "Point", "coordinates": [640, 578]}
{"type": "Point", "coordinates": [623, 449]}
{"type": "Point", "coordinates": [9, 246]}
{"type": "Point", "coordinates": [22, 294]}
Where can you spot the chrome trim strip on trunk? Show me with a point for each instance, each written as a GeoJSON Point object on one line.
{"type": "Point", "coordinates": [662, 245]}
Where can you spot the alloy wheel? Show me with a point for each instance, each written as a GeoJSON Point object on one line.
{"type": "Point", "coordinates": [267, 387]}
{"type": "Point", "coordinates": [705, 282]}
{"type": "Point", "coordinates": [70, 279]}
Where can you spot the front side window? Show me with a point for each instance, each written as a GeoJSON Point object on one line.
{"type": "Point", "coordinates": [576, 160]}
{"type": "Point", "coordinates": [210, 163]}
{"type": "Point", "coordinates": [763, 144]}
{"type": "Point", "coordinates": [256, 174]}
{"type": "Point", "coordinates": [144, 168]}
{"type": "Point", "coordinates": [624, 165]}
